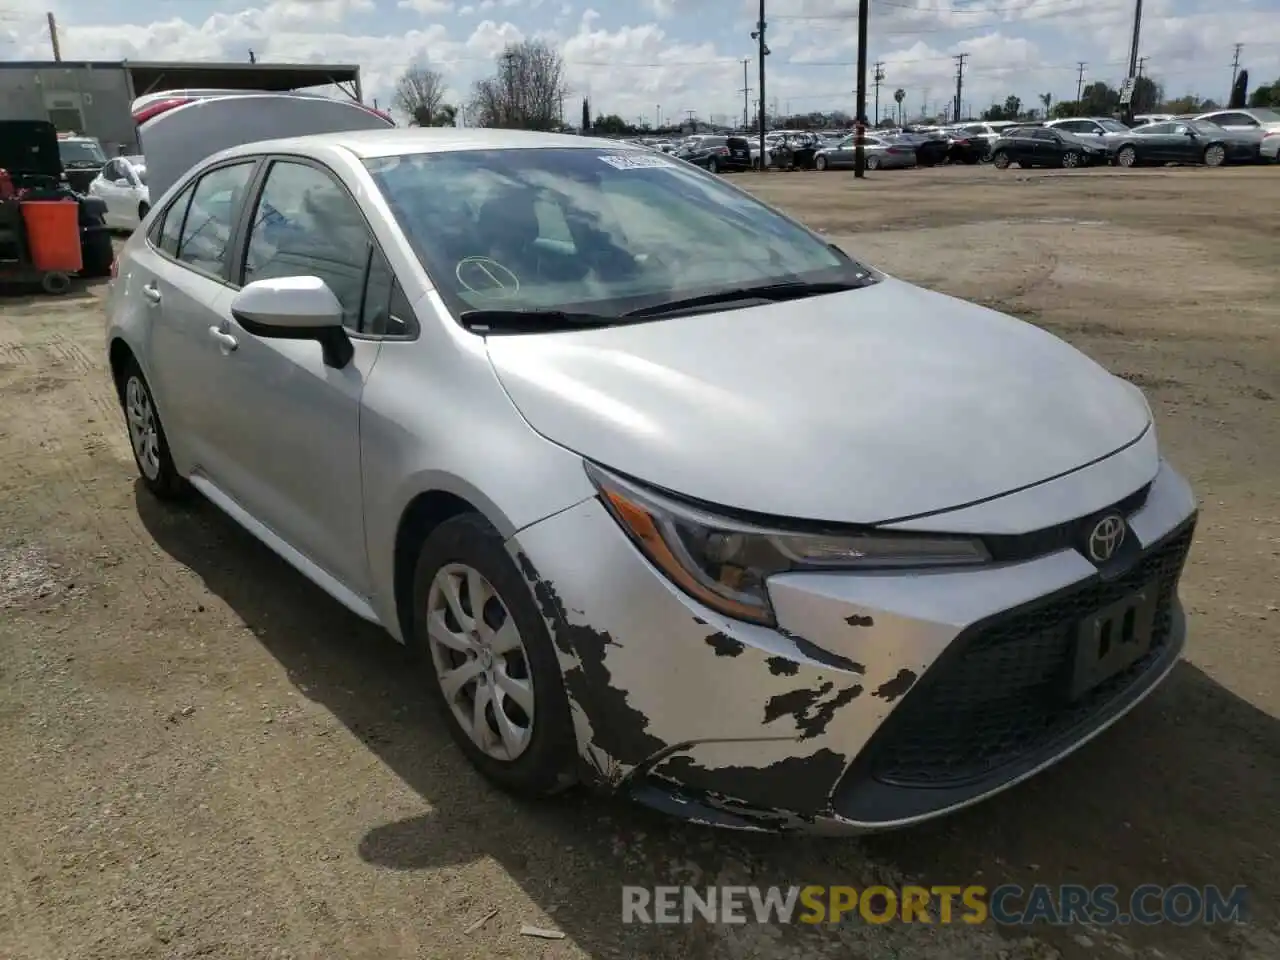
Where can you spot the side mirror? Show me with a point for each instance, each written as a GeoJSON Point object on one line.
{"type": "Point", "coordinates": [295, 308]}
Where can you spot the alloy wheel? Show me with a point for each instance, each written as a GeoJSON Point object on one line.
{"type": "Point", "coordinates": [1070, 160]}
{"type": "Point", "coordinates": [1127, 157]}
{"type": "Point", "coordinates": [873, 163]}
{"type": "Point", "coordinates": [481, 661]}
{"type": "Point", "coordinates": [1215, 155]}
{"type": "Point", "coordinates": [143, 432]}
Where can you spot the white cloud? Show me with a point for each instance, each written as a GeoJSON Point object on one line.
{"type": "Point", "coordinates": [427, 7]}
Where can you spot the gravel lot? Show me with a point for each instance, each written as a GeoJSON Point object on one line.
{"type": "Point", "coordinates": [202, 755]}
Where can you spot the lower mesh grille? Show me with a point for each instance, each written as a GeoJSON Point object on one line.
{"type": "Point", "coordinates": [999, 696]}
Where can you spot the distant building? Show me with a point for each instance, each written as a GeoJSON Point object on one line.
{"type": "Point", "coordinates": [94, 97]}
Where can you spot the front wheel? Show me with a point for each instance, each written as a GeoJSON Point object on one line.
{"type": "Point", "coordinates": [492, 667]}
{"type": "Point", "coordinates": [1215, 155]}
{"type": "Point", "coordinates": [820, 163]}
{"type": "Point", "coordinates": [1127, 157]}
{"type": "Point", "coordinates": [1070, 160]}
{"type": "Point", "coordinates": [873, 162]}
{"type": "Point", "coordinates": [712, 166]}
{"type": "Point", "coordinates": [1001, 160]}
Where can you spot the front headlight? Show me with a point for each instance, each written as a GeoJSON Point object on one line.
{"type": "Point", "coordinates": [725, 564]}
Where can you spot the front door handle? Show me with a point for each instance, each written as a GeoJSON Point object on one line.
{"type": "Point", "coordinates": [151, 293]}
{"type": "Point", "coordinates": [225, 340]}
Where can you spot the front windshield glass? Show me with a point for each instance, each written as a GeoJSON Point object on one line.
{"type": "Point", "coordinates": [81, 153]}
{"type": "Point", "coordinates": [590, 230]}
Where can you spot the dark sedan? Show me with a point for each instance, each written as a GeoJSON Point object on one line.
{"type": "Point", "coordinates": [1185, 141]}
{"type": "Point", "coordinates": [1045, 147]}
{"type": "Point", "coordinates": [717, 154]}
{"type": "Point", "coordinates": [931, 148]}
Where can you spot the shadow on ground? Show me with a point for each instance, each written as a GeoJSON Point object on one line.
{"type": "Point", "coordinates": [1188, 783]}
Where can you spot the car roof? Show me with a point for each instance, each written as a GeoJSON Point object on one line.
{"type": "Point", "coordinates": [397, 141]}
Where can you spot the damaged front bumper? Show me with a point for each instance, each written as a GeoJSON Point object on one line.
{"type": "Point", "coordinates": [880, 700]}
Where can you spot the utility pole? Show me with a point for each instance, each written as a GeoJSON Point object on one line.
{"type": "Point", "coordinates": [1235, 69]}
{"type": "Point", "coordinates": [1133, 54]}
{"type": "Point", "coordinates": [1080, 80]}
{"type": "Point", "coordinates": [53, 36]}
{"type": "Point", "coordinates": [762, 51]}
{"type": "Point", "coordinates": [960, 59]}
{"type": "Point", "coordinates": [860, 121]}
{"type": "Point", "coordinates": [877, 79]}
{"type": "Point", "coordinates": [746, 92]}
{"type": "Point", "coordinates": [1141, 63]}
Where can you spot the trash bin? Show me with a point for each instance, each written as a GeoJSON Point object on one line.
{"type": "Point", "coordinates": [53, 234]}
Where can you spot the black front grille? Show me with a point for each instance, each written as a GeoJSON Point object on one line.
{"type": "Point", "coordinates": [997, 696]}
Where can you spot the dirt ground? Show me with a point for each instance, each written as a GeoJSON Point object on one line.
{"type": "Point", "coordinates": [202, 755]}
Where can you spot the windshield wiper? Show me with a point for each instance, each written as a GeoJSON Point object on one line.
{"type": "Point", "coordinates": [774, 292]}
{"type": "Point", "coordinates": [531, 320]}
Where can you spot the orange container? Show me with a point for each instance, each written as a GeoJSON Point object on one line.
{"type": "Point", "coordinates": [53, 234]}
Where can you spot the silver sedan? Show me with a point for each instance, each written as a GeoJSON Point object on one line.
{"type": "Point", "coordinates": [674, 497]}
{"type": "Point", "coordinates": [882, 153]}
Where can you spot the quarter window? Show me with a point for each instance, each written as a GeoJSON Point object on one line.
{"type": "Point", "coordinates": [168, 230]}
{"type": "Point", "coordinates": [211, 219]}
{"type": "Point", "coordinates": [305, 224]}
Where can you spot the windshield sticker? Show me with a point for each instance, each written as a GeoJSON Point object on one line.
{"type": "Point", "coordinates": [635, 161]}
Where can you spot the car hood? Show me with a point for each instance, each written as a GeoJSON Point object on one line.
{"type": "Point", "coordinates": [859, 407]}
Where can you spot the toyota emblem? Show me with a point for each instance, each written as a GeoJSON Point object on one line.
{"type": "Point", "coordinates": [1105, 538]}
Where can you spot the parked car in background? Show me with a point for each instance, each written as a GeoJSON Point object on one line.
{"type": "Point", "coordinates": [964, 148]}
{"type": "Point", "coordinates": [122, 186]}
{"type": "Point", "coordinates": [987, 131]}
{"type": "Point", "coordinates": [82, 158]}
{"type": "Point", "coordinates": [882, 153]}
{"type": "Point", "coordinates": [1100, 131]}
{"type": "Point", "coordinates": [1185, 141]}
{"type": "Point", "coordinates": [717, 154]}
{"type": "Point", "coordinates": [1142, 119]}
{"type": "Point", "coordinates": [931, 148]}
{"type": "Point", "coordinates": [1045, 147]}
{"type": "Point", "coordinates": [1261, 120]}
{"type": "Point", "coordinates": [735, 610]}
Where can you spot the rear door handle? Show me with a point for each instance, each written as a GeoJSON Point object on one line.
{"type": "Point", "coordinates": [151, 293]}
{"type": "Point", "coordinates": [225, 340]}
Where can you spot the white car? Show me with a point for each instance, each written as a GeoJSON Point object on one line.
{"type": "Point", "coordinates": [122, 186]}
{"type": "Point", "coordinates": [675, 497]}
{"type": "Point", "coordinates": [1256, 119]}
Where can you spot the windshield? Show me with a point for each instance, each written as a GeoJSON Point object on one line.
{"type": "Point", "coordinates": [81, 153]}
{"type": "Point", "coordinates": [590, 230]}
{"type": "Point", "coordinates": [1113, 126]}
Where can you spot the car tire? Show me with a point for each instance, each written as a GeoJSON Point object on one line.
{"type": "Point", "coordinates": [873, 163]}
{"type": "Point", "coordinates": [1215, 155]}
{"type": "Point", "coordinates": [1070, 160]}
{"type": "Point", "coordinates": [1000, 159]}
{"type": "Point", "coordinates": [147, 438]}
{"type": "Point", "coordinates": [712, 166]}
{"type": "Point", "coordinates": [1127, 156]}
{"type": "Point", "coordinates": [820, 163]}
{"type": "Point", "coordinates": [466, 546]}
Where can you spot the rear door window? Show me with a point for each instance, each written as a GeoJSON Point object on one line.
{"type": "Point", "coordinates": [211, 218]}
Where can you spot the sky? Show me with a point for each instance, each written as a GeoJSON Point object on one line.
{"type": "Point", "coordinates": [645, 59]}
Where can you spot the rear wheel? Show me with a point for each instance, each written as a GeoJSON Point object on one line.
{"type": "Point", "coordinates": [820, 162]}
{"type": "Point", "coordinates": [1071, 160]}
{"type": "Point", "coordinates": [712, 166]}
{"type": "Point", "coordinates": [1215, 155]}
{"type": "Point", "coordinates": [873, 162]}
{"type": "Point", "coordinates": [1127, 157]}
{"type": "Point", "coordinates": [147, 437]}
{"type": "Point", "coordinates": [1001, 160]}
{"type": "Point", "coordinates": [55, 283]}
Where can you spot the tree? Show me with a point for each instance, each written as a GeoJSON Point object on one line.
{"type": "Point", "coordinates": [527, 90]}
{"type": "Point", "coordinates": [1047, 100]}
{"type": "Point", "coordinates": [419, 93]}
{"type": "Point", "coordinates": [1188, 104]}
{"type": "Point", "coordinates": [1266, 95]}
{"type": "Point", "coordinates": [586, 115]}
{"type": "Point", "coordinates": [1066, 108]}
{"type": "Point", "coordinates": [1147, 95]}
{"type": "Point", "coordinates": [1011, 109]}
{"type": "Point", "coordinates": [1100, 100]}
{"type": "Point", "coordinates": [898, 96]}
{"type": "Point", "coordinates": [446, 116]}
{"type": "Point", "coordinates": [612, 125]}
